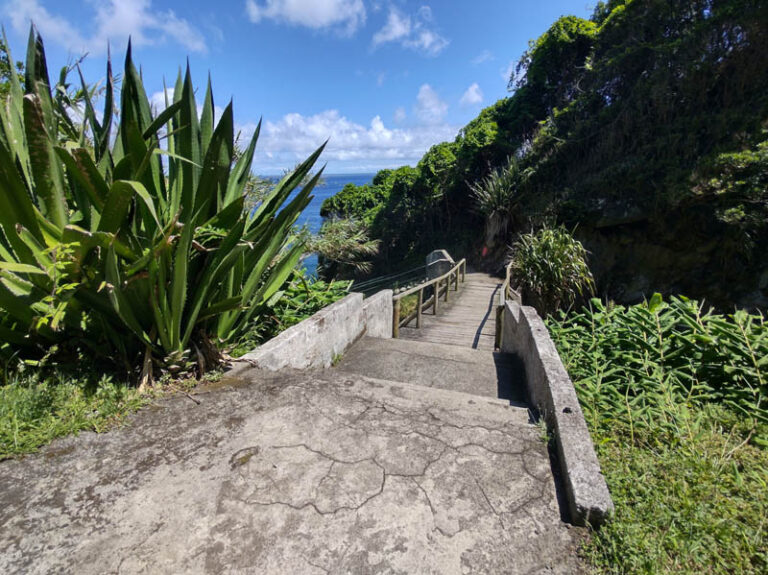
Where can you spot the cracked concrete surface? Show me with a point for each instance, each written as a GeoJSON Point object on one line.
{"type": "Point", "coordinates": [293, 472]}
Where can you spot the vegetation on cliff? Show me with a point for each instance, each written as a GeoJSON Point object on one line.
{"type": "Point", "coordinates": [645, 125]}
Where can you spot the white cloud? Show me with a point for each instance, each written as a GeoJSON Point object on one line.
{"type": "Point", "coordinates": [473, 96]}
{"type": "Point", "coordinates": [352, 146]}
{"type": "Point", "coordinates": [430, 109]}
{"type": "Point", "coordinates": [346, 15]}
{"type": "Point", "coordinates": [412, 33]}
{"type": "Point", "coordinates": [482, 57]}
{"type": "Point", "coordinates": [398, 26]}
{"type": "Point", "coordinates": [113, 20]}
{"type": "Point", "coordinates": [157, 100]}
{"type": "Point", "coordinates": [400, 115]}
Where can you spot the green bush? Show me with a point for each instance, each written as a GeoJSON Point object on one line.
{"type": "Point", "coordinates": [551, 267]}
{"type": "Point", "coordinates": [123, 246]}
{"type": "Point", "coordinates": [675, 399]}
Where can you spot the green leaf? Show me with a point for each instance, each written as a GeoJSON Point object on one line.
{"type": "Point", "coordinates": [21, 268]}
{"type": "Point", "coordinates": [114, 214]}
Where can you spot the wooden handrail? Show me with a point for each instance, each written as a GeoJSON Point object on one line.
{"type": "Point", "coordinates": [421, 286]}
{"type": "Point", "coordinates": [460, 269]}
{"type": "Point", "coordinates": [506, 292]}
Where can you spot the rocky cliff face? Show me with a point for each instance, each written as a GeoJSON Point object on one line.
{"type": "Point", "coordinates": [684, 252]}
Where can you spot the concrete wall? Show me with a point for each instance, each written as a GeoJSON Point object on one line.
{"type": "Point", "coordinates": [551, 391]}
{"type": "Point", "coordinates": [317, 340]}
{"type": "Point", "coordinates": [378, 315]}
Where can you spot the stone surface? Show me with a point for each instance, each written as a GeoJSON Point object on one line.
{"type": "Point", "coordinates": [438, 262]}
{"type": "Point", "coordinates": [486, 373]}
{"type": "Point", "coordinates": [293, 472]}
{"type": "Point", "coordinates": [551, 391]}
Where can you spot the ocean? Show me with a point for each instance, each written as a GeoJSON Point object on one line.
{"type": "Point", "coordinates": [331, 184]}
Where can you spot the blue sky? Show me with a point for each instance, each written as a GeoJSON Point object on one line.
{"type": "Point", "coordinates": [384, 80]}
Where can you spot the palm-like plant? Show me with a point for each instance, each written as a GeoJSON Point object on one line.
{"type": "Point", "coordinates": [551, 267]}
{"type": "Point", "coordinates": [161, 257]}
{"type": "Point", "coordinates": [344, 247]}
{"type": "Point", "coordinates": [493, 197]}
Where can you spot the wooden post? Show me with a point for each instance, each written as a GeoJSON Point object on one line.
{"type": "Point", "coordinates": [499, 325]}
{"type": "Point", "coordinates": [447, 286]}
{"type": "Point", "coordinates": [418, 310]}
{"type": "Point", "coordinates": [463, 271]}
{"type": "Point", "coordinates": [436, 296]}
{"type": "Point", "coordinates": [396, 319]}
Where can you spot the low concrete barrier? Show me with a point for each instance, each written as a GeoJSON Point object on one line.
{"type": "Point", "coordinates": [551, 391]}
{"type": "Point", "coordinates": [317, 340]}
{"type": "Point", "coordinates": [378, 314]}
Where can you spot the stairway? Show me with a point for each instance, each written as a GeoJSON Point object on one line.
{"type": "Point", "coordinates": [461, 369]}
{"type": "Point", "coordinates": [468, 319]}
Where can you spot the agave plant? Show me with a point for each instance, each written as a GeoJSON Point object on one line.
{"type": "Point", "coordinates": [163, 257]}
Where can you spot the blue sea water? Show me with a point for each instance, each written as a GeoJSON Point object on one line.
{"type": "Point", "coordinates": [330, 185]}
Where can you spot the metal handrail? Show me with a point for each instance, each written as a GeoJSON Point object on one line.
{"type": "Point", "coordinates": [459, 270]}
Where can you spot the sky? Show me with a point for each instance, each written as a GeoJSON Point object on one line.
{"type": "Point", "coordinates": [382, 79]}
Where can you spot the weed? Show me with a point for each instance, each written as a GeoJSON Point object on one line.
{"type": "Point", "coordinates": [36, 409]}
{"type": "Point", "coordinates": [674, 398]}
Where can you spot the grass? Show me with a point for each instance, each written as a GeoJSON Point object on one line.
{"type": "Point", "coordinates": [35, 409]}
{"type": "Point", "coordinates": [39, 405]}
{"type": "Point", "coordinates": [674, 398]}
{"type": "Point", "coordinates": [696, 502]}
{"type": "Point", "coordinates": [408, 305]}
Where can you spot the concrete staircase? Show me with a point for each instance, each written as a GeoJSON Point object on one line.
{"type": "Point", "coordinates": [461, 369]}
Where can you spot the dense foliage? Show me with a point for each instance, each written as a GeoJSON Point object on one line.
{"type": "Point", "coordinates": [122, 248]}
{"type": "Point", "coordinates": [343, 248]}
{"type": "Point", "coordinates": [675, 399]}
{"type": "Point", "coordinates": [38, 406]}
{"type": "Point", "coordinates": [644, 125]}
{"type": "Point", "coordinates": [550, 266]}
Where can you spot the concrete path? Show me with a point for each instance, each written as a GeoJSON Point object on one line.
{"type": "Point", "coordinates": [467, 320]}
{"type": "Point", "coordinates": [294, 472]}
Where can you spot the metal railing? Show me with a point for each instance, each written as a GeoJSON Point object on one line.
{"type": "Point", "coordinates": [459, 271]}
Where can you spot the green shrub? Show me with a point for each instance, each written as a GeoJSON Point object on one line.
{"type": "Point", "coordinates": [674, 397]}
{"type": "Point", "coordinates": [551, 267]}
{"type": "Point", "coordinates": [126, 247]}
{"type": "Point", "coordinates": [637, 364]}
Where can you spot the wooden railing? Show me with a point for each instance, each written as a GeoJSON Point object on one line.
{"type": "Point", "coordinates": [459, 271]}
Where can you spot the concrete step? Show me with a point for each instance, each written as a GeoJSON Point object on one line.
{"type": "Point", "coordinates": [465, 370]}
{"type": "Point", "coordinates": [419, 398]}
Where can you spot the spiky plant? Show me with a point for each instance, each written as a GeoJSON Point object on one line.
{"type": "Point", "coordinates": [162, 258]}
{"type": "Point", "coordinates": [493, 197]}
{"type": "Point", "coordinates": [344, 247]}
{"type": "Point", "coordinates": [551, 267]}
